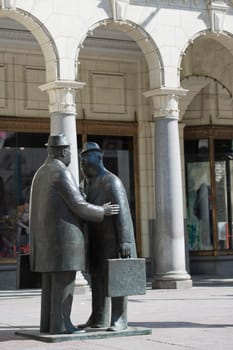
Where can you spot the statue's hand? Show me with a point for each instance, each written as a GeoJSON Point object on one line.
{"type": "Point", "coordinates": [111, 209]}
{"type": "Point", "coordinates": [125, 251]}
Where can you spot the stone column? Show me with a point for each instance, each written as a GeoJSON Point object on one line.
{"type": "Point", "coordinates": [181, 134]}
{"type": "Point", "coordinates": [169, 236]}
{"type": "Point", "coordinates": [62, 108]}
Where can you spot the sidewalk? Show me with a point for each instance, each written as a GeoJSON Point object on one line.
{"type": "Point", "coordinates": [198, 318]}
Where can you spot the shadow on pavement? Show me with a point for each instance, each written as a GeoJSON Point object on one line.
{"type": "Point", "coordinates": [7, 333]}
{"type": "Point", "coordinates": [177, 325]}
{"type": "Point", "coordinates": [212, 281]}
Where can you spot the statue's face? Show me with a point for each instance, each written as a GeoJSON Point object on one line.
{"type": "Point", "coordinates": [89, 163]}
{"type": "Point", "coordinates": [66, 156]}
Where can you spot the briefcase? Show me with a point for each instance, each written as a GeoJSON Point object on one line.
{"type": "Point", "coordinates": [126, 277]}
{"type": "Point", "coordinates": [25, 278]}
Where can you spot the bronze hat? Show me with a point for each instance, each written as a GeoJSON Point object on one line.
{"type": "Point", "coordinates": [91, 146]}
{"type": "Point", "coordinates": [59, 140]}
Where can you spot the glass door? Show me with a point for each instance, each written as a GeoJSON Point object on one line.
{"type": "Point", "coordinates": [209, 189]}
{"type": "Point", "coordinates": [224, 192]}
{"type": "Point", "coordinates": [198, 194]}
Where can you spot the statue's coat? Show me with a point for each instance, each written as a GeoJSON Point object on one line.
{"type": "Point", "coordinates": [56, 207]}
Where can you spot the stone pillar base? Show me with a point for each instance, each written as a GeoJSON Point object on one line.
{"type": "Point", "coordinates": [171, 284]}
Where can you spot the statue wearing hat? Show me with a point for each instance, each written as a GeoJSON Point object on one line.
{"type": "Point", "coordinates": [109, 239]}
{"type": "Point", "coordinates": [57, 247]}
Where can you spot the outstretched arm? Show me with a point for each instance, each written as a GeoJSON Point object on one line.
{"type": "Point", "coordinates": [67, 187]}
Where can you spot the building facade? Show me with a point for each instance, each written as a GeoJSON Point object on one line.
{"type": "Point", "coordinates": [151, 82]}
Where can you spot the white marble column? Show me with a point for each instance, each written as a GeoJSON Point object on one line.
{"type": "Point", "coordinates": [62, 109]}
{"type": "Point", "coordinates": [169, 236]}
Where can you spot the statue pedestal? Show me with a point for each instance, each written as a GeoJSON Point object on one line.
{"type": "Point", "coordinates": [88, 334]}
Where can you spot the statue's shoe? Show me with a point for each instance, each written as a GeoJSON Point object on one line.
{"type": "Point", "coordinates": [117, 328]}
{"type": "Point", "coordinates": [75, 330]}
{"type": "Point", "coordinates": [95, 321]}
{"type": "Point", "coordinates": [91, 325]}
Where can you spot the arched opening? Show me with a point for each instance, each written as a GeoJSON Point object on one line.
{"type": "Point", "coordinates": [132, 37]}
{"type": "Point", "coordinates": [118, 62]}
{"type": "Point", "coordinates": [24, 125]}
{"type": "Point", "coordinates": [206, 71]}
{"type": "Point", "coordinates": [36, 32]}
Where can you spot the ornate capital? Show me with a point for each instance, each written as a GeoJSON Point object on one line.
{"type": "Point", "coordinates": [217, 10]}
{"type": "Point", "coordinates": [165, 101]}
{"type": "Point", "coordinates": [62, 95]}
{"type": "Point", "coordinates": [119, 9]}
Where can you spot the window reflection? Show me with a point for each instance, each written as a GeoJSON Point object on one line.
{"type": "Point", "coordinates": [199, 194]}
{"type": "Point", "coordinates": [200, 207]}
{"type": "Point", "coordinates": [199, 201]}
{"type": "Point", "coordinates": [224, 191]}
{"type": "Point", "coordinates": [21, 154]}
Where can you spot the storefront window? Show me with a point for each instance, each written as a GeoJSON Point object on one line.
{"type": "Point", "coordinates": [224, 191]}
{"type": "Point", "coordinates": [21, 154]}
{"type": "Point", "coordinates": [209, 189]}
{"type": "Point", "coordinates": [199, 200]}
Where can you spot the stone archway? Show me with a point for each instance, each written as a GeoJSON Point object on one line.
{"type": "Point", "coordinates": [199, 48]}
{"type": "Point", "coordinates": [207, 57]}
{"type": "Point", "coordinates": [144, 42]}
{"type": "Point", "coordinates": [41, 34]}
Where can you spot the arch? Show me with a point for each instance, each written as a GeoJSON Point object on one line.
{"type": "Point", "coordinates": [43, 37]}
{"type": "Point", "coordinates": [195, 83]}
{"type": "Point", "coordinates": [224, 38]}
{"type": "Point", "coordinates": [143, 40]}
{"type": "Point", "coordinates": [196, 73]}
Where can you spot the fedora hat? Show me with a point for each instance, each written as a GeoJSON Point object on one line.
{"type": "Point", "coordinates": [91, 146]}
{"type": "Point", "coordinates": [59, 140]}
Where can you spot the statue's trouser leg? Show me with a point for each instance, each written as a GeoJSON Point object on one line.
{"type": "Point", "coordinates": [62, 289]}
{"type": "Point", "coordinates": [100, 302]}
{"type": "Point", "coordinates": [45, 302]}
{"type": "Point", "coordinates": [119, 312]}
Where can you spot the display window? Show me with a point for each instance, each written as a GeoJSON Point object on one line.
{"type": "Point", "coordinates": [209, 189]}
{"type": "Point", "coordinates": [199, 203]}
{"type": "Point", "coordinates": [21, 154]}
{"type": "Point", "coordinates": [223, 150]}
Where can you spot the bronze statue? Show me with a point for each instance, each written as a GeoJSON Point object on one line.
{"type": "Point", "coordinates": [57, 247]}
{"type": "Point", "coordinates": [112, 238]}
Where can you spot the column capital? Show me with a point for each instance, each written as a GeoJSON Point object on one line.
{"type": "Point", "coordinates": [62, 95]}
{"type": "Point", "coordinates": [165, 101]}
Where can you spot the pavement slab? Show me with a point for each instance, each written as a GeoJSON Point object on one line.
{"type": "Point", "coordinates": [198, 318]}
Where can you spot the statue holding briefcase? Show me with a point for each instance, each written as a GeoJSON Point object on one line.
{"type": "Point", "coordinates": [57, 247]}
{"type": "Point", "coordinates": [110, 239]}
